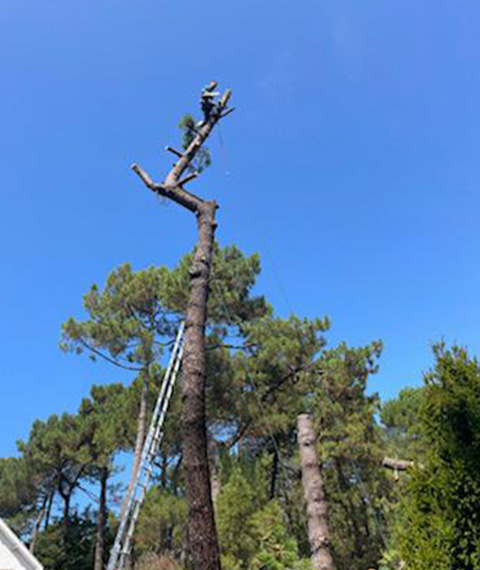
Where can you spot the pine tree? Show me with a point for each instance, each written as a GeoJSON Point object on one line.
{"type": "Point", "coordinates": [127, 326]}
{"type": "Point", "coordinates": [107, 425]}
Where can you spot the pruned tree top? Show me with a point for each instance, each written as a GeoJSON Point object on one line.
{"type": "Point", "coordinates": [173, 185]}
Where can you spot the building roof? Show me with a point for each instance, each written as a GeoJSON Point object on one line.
{"type": "Point", "coordinates": [14, 555]}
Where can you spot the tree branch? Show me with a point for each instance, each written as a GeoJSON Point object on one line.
{"type": "Point", "coordinates": [230, 346]}
{"type": "Point", "coordinates": [238, 436]}
{"type": "Point", "coordinates": [263, 399]}
{"type": "Point", "coordinates": [89, 494]}
{"type": "Point", "coordinates": [107, 358]}
{"type": "Point", "coordinates": [272, 389]}
{"type": "Point", "coordinates": [188, 178]}
{"type": "Point", "coordinates": [174, 151]}
{"type": "Point", "coordinates": [174, 193]}
{"type": "Point", "coordinates": [227, 112]}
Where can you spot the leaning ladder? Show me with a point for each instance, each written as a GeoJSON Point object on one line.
{"type": "Point", "coordinates": [123, 540]}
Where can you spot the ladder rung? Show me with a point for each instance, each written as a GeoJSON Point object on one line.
{"type": "Point", "coordinates": [122, 544]}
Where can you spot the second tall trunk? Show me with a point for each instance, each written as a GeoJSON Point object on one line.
{"type": "Point", "coordinates": [317, 507]}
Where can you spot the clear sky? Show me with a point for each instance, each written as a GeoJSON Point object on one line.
{"type": "Point", "coordinates": [351, 164]}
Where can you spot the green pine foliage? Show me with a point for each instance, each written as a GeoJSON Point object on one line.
{"type": "Point", "coordinates": [21, 488]}
{"type": "Point", "coordinates": [236, 506]}
{"type": "Point", "coordinates": [71, 549]}
{"type": "Point", "coordinates": [161, 525]}
{"type": "Point", "coordinates": [403, 432]}
{"type": "Point", "coordinates": [276, 548]}
{"type": "Point", "coordinates": [203, 158]}
{"type": "Point", "coordinates": [253, 533]}
{"type": "Point", "coordinates": [262, 371]}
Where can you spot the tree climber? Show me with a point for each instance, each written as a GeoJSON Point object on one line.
{"type": "Point", "coordinates": [207, 100]}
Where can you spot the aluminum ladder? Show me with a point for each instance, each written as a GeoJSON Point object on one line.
{"type": "Point", "coordinates": [123, 541]}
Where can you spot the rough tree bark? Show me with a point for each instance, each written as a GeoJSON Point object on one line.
{"type": "Point", "coordinates": [101, 520]}
{"type": "Point", "coordinates": [317, 508]}
{"type": "Point", "coordinates": [202, 535]}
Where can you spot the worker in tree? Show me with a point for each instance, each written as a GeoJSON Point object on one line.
{"type": "Point", "coordinates": [207, 100]}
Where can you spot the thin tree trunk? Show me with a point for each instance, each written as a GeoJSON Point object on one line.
{"type": "Point", "coordinates": [66, 510]}
{"type": "Point", "coordinates": [163, 477]}
{"type": "Point", "coordinates": [201, 523]}
{"type": "Point", "coordinates": [137, 454]}
{"type": "Point", "coordinates": [185, 557]}
{"type": "Point", "coordinates": [38, 522]}
{"type": "Point", "coordinates": [274, 475]}
{"type": "Point", "coordinates": [141, 431]}
{"type": "Point", "coordinates": [49, 510]}
{"type": "Point", "coordinates": [101, 519]}
{"type": "Point", "coordinates": [215, 482]}
{"type": "Point", "coordinates": [317, 508]}
{"type": "Point", "coordinates": [139, 441]}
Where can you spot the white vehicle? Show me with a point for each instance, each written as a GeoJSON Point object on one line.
{"type": "Point", "coordinates": [14, 555]}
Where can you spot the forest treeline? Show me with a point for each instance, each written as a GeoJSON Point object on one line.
{"type": "Point", "coordinates": [61, 491]}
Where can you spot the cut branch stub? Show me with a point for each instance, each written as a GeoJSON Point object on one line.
{"type": "Point", "coordinates": [188, 178]}
{"type": "Point", "coordinates": [397, 465]}
{"type": "Point", "coordinates": [174, 151]}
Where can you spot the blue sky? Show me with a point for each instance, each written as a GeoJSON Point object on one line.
{"type": "Point", "coordinates": [351, 164]}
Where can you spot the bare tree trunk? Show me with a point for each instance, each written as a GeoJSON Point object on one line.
{"type": "Point", "coordinates": [139, 441]}
{"type": "Point", "coordinates": [49, 510]}
{"type": "Point", "coordinates": [201, 524]}
{"type": "Point", "coordinates": [101, 519]}
{"type": "Point", "coordinates": [141, 431]}
{"type": "Point", "coordinates": [202, 535]}
{"type": "Point", "coordinates": [318, 533]}
{"type": "Point", "coordinates": [66, 510]}
{"type": "Point", "coordinates": [38, 522]}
